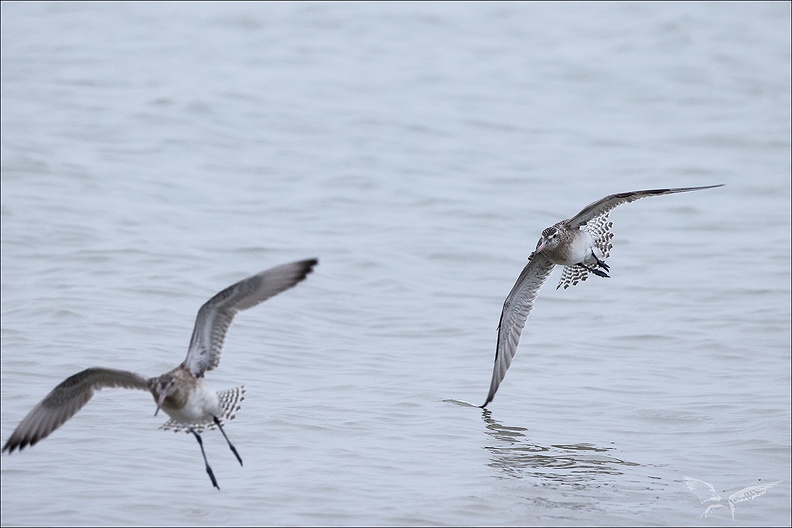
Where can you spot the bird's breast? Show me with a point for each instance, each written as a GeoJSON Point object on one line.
{"type": "Point", "coordinates": [574, 250]}
{"type": "Point", "coordinates": [198, 405]}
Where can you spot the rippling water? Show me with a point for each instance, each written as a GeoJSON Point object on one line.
{"type": "Point", "coordinates": [154, 153]}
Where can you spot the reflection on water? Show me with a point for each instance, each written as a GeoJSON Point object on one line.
{"type": "Point", "coordinates": [577, 464]}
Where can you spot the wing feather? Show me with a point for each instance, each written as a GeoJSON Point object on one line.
{"type": "Point", "coordinates": [65, 400]}
{"type": "Point", "coordinates": [516, 308]}
{"type": "Point", "coordinates": [216, 315]}
{"type": "Point", "coordinates": [606, 204]}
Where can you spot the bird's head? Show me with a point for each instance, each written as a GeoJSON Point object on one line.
{"type": "Point", "coordinates": [551, 237]}
{"type": "Point", "coordinates": [161, 388]}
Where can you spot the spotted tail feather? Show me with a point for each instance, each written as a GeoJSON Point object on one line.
{"type": "Point", "coordinates": [230, 402]}
{"type": "Point", "coordinates": [571, 276]}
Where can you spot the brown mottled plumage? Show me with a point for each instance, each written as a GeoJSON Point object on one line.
{"type": "Point", "coordinates": [181, 393]}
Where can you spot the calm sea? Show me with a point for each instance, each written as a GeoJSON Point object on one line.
{"type": "Point", "coordinates": [154, 153]}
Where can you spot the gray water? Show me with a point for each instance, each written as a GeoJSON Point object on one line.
{"type": "Point", "coordinates": [153, 154]}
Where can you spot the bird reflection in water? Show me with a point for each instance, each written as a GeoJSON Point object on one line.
{"type": "Point", "coordinates": [574, 464]}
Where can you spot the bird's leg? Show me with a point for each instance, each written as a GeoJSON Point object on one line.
{"type": "Point", "coordinates": [219, 425]}
{"type": "Point", "coordinates": [600, 263]}
{"type": "Point", "coordinates": [595, 271]}
{"type": "Point", "coordinates": [208, 468]}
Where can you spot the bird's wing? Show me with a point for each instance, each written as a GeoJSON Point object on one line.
{"type": "Point", "coordinates": [604, 205]}
{"type": "Point", "coordinates": [703, 490]}
{"type": "Point", "coordinates": [65, 400]}
{"type": "Point", "coordinates": [516, 307]}
{"type": "Point", "coordinates": [215, 316]}
{"type": "Point", "coordinates": [751, 492]}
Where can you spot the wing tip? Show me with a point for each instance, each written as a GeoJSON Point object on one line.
{"type": "Point", "coordinates": [306, 267]}
{"type": "Point", "coordinates": [18, 443]}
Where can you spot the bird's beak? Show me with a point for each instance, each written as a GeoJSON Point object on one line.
{"type": "Point", "coordinates": [160, 401]}
{"type": "Point", "coordinates": [540, 245]}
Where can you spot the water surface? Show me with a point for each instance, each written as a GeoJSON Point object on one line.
{"type": "Point", "coordinates": [153, 154]}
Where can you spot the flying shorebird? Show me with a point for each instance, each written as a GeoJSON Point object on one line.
{"type": "Point", "coordinates": [181, 393]}
{"type": "Point", "coordinates": [706, 493]}
{"type": "Point", "coordinates": [580, 244]}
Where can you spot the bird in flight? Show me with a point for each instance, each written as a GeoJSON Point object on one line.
{"type": "Point", "coordinates": [181, 392]}
{"type": "Point", "coordinates": [706, 493]}
{"type": "Point", "coordinates": [580, 244]}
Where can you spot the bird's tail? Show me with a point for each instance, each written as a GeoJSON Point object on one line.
{"type": "Point", "coordinates": [230, 403]}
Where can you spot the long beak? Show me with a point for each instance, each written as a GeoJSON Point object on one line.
{"type": "Point", "coordinates": [540, 245]}
{"type": "Point", "coordinates": [160, 401]}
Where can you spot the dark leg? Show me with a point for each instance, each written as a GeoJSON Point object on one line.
{"type": "Point", "coordinates": [600, 263]}
{"type": "Point", "coordinates": [595, 271]}
{"type": "Point", "coordinates": [208, 469]}
{"type": "Point", "coordinates": [219, 426]}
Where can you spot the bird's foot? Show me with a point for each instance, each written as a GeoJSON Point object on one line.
{"type": "Point", "coordinates": [600, 263]}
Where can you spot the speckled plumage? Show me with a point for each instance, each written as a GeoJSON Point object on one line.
{"type": "Point", "coordinates": [580, 244]}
